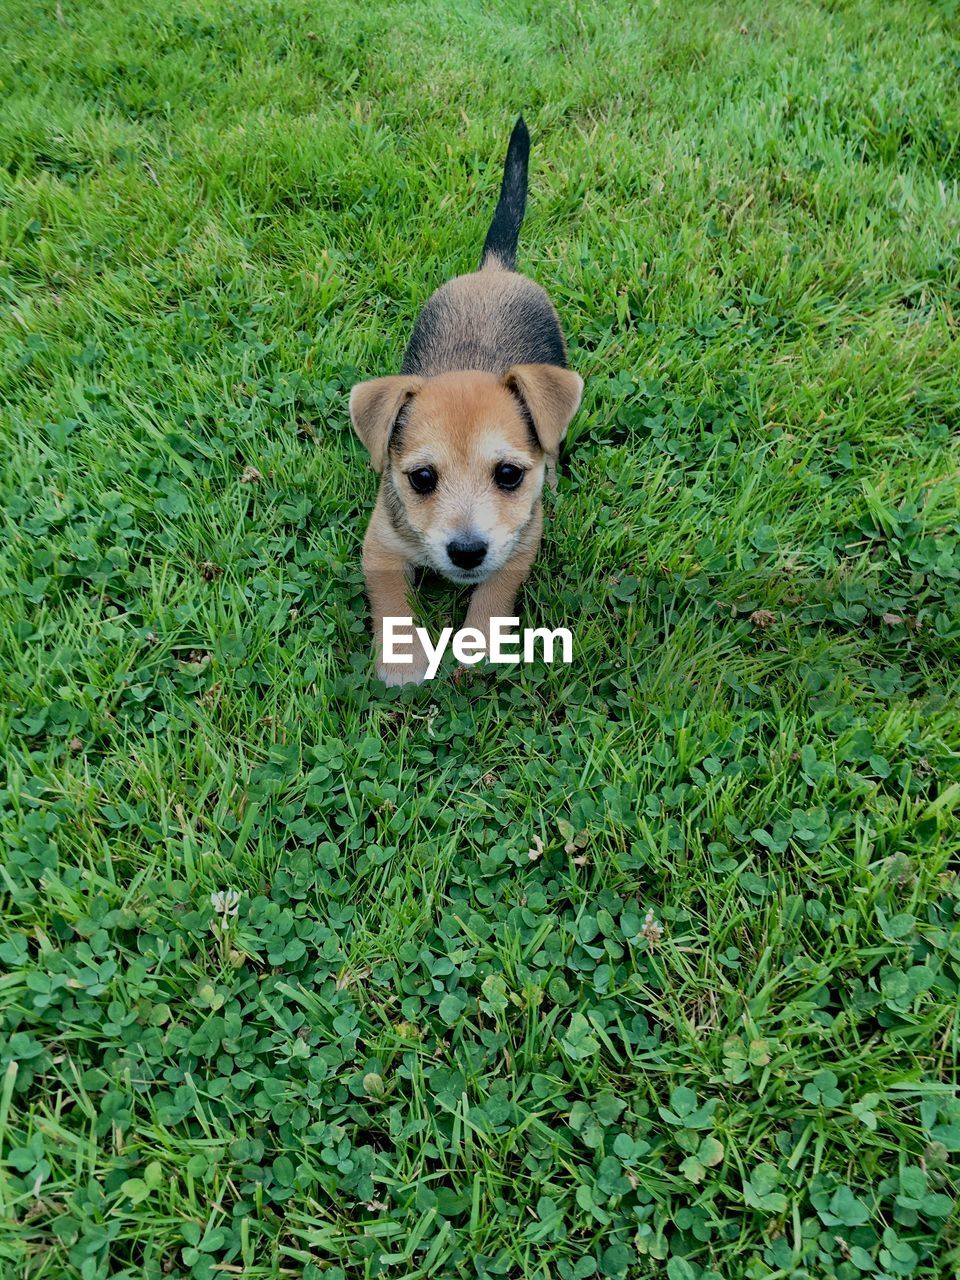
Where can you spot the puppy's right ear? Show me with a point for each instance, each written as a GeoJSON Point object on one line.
{"type": "Point", "coordinates": [374, 409]}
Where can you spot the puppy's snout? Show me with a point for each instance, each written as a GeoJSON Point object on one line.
{"type": "Point", "coordinates": [467, 553]}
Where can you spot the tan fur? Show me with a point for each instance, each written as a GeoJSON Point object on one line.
{"type": "Point", "coordinates": [551, 395]}
{"type": "Point", "coordinates": [373, 409]}
{"type": "Point", "coordinates": [461, 424]}
{"type": "Point", "coordinates": [386, 572]}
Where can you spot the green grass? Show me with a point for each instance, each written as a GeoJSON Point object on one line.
{"type": "Point", "coordinates": [417, 1051]}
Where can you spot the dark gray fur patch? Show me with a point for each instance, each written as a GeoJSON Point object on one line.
{"type": "Point", "coordinates": [527, 416]}
{"type": "Point", "coordinates": [489, 320]}
{"type": "Point", "coordinates": [395, 512]}
{"type": "Point", "coordinates": [536, 510]}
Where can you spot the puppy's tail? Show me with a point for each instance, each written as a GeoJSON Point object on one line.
{"type": "Point", "coordinates": [500, 246]}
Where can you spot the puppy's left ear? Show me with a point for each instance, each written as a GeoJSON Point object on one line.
{"type": "Point", "coordinates": [374, 409]}
{"type": "Point", "coordinates": [550, 397]}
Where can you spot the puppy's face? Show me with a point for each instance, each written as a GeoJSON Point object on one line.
{"type": "Point", "coordinates": [464, 473]}
{"type": "Point", "coordinates": [463, 459]}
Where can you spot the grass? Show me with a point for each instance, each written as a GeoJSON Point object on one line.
{"type": "Point", "coordinates": [710, 1031]}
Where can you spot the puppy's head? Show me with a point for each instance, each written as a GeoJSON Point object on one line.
{"type": "Point", "coordinates": [463, 458]}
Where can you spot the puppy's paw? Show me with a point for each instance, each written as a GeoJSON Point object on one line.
{"type": "Point", "coordinates": [397, 673]}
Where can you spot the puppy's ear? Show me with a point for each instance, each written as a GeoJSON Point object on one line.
{"type": "Point", "coordinates": [549, 396]}
{"type": "Point", "coordinates": [374, 409]}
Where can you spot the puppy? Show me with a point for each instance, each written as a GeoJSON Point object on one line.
{"type": "Point", "coordinates": [464, 435]}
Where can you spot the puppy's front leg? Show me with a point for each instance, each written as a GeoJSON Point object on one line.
{"type": "Point", "coordinates": [496, 598]}
{"type": "Point", "coordinates": [387, 573]}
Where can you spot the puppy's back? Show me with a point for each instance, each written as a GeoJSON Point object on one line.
{"type": "Point", "coordinates": [488, 320]}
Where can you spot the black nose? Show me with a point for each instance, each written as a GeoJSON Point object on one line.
{"type": "Point", "coordinates": [467, 554]}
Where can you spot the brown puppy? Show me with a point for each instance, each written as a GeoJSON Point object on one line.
{"type": "Point", "coordinates": [464, 435]}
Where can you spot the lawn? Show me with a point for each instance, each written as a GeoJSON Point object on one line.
{"type": "Point", "coordinates": [645, 966]}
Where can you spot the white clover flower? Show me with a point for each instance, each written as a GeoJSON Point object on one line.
{"type": "Point", "coordinates": [652, 928]}
{"type": "Point", "coordinates": [226, 903]}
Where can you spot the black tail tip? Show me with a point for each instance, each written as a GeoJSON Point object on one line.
{"type": "Point", "coordinates": [501, 241]}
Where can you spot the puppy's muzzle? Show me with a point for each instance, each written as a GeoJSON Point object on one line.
{"type": "Point", "coordinates": [467, 553]}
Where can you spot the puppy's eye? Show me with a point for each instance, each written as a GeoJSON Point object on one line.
{"type": "Point", "coordinates": [423, 480]}
{"type": "Point", "coordinates": [508, 476]}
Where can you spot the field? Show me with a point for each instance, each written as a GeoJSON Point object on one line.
{"type": "Point", "coordinates": [643, 967]}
